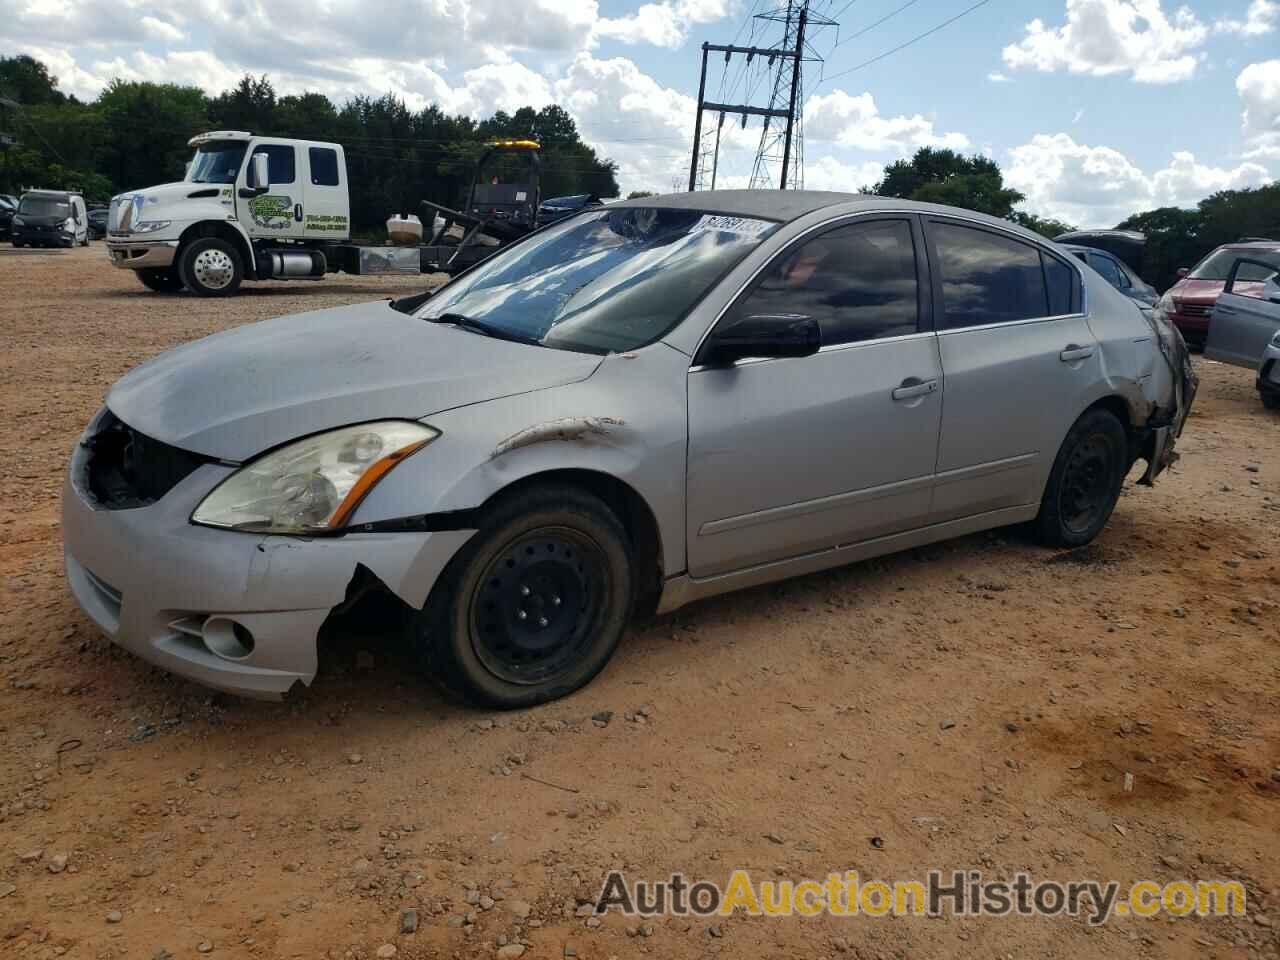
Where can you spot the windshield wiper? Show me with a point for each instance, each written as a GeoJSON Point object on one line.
{"type": "Point", "coordinates": [485, 329]}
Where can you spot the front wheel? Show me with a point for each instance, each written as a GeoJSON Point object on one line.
{"type": "Point", "coordinates": [1271, 400]}
{"type": "Point", "coordinates": [1085, 482]}
{"type": "Point", "coordinates": [533, 606]}
{"type": "Point", "coordinates": [210, 267]}
{"type": "Point", "coordinates": [161, 281]}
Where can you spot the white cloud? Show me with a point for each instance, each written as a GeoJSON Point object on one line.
{"type": "Point", "coordinates": [1108, 37]}
{"type": "Point", "coordinates": [828, 173]}
{"type": "Point", "coordinates": [1259, 87]}
{"type": "Point", "coordinates": [627, 115]}
{"type": "Point", "coordinates": [158, 29]}
{"type": "Point", "coordinates": [1100, 186]}
{"type": "Point", "coordinates": [856, 122]}
{"type": "Point", "coordinates": [663, 24]}
{"type": "Point", "coordinates": [998, 78]}
{"type": "Point", "coordinates": [1261, 18]}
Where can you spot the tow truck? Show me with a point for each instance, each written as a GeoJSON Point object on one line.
{"type": "Point", "coordinates": [274, 208]}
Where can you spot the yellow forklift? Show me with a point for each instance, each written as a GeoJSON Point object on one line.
{"type": "Point", "coordinates": [494, 214]}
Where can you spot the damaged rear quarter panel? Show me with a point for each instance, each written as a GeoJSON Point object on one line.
{"type": "Point", "coordinates": [628, 420]}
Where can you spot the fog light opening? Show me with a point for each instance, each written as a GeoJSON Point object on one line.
{"type": "Point", "coordinates": [227, 639]}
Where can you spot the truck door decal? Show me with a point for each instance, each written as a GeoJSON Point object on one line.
{"type": "Point", "coordinates": [271, 211]}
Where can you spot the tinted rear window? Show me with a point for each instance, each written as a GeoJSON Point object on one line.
{"type": "Point", "coordinates": [987, 277]}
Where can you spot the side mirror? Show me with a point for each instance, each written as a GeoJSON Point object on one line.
{"type": "Point", "coordinates": [1183, 271]}
{"type": "Point", "coordinates": [767, 335]}
{"type": "Point", "coordinates": [258, 176]}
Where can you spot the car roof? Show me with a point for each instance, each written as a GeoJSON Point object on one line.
{"type": "Point", "coordinates": [67, 194]}
{"type": "Point", "coordinates": [787, 205]}
{"type": "Point", "coordinates": [1265, 246]}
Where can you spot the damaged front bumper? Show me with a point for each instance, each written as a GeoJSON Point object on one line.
{"type": "Point", "coordinates": [233, 611]}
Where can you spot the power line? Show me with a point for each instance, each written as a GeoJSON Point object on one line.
{"type": "Point", "coordinates": [867, 29]}
{"type": "Point", "coordinates": [903, 46]}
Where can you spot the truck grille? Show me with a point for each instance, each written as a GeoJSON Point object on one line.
{"type": "Point", "coordinates": [120, 217]}
{"type": "Point", "coordinates": [1194, 309]}
{"type": "Point", "coordinates": [128, 469]}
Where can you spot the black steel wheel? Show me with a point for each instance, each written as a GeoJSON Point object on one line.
{"type": "Point", "coordinates": [1085, 482]}
{"type": "Point", "coordinates": [538, 603]}
{"type": "Point", "coordinates": [533, 605]}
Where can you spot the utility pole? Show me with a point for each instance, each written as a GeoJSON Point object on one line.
{"type": "Point", "coordinates": [791, 109]}
{"type": "Point", "coordinates": [697, 122]}
{"type": "Point", "coordinates": [786, 103]}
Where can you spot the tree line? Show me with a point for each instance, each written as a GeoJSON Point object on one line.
{"type": "Point", "coordinates": [134, 134]}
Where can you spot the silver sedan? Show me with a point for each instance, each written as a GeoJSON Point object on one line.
{"type": "Point", "coordinates": [639, 406]}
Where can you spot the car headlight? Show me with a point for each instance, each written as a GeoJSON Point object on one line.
{"type": "Point", "coordinates": [312, 485]}
{"type": "Point", "coordinates": [18, 221]}
{"type": "Point", "coordinates": [149, 226]}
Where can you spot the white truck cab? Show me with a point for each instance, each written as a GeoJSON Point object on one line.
{"type": "Point", "coordinates": [249, 207]}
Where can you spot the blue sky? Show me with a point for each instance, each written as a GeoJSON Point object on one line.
{"type": "Point", "coordinates": [1094, 108]}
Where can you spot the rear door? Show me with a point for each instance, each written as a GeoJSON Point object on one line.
{"type": "Point", "coordinates": [326, 206]}
{"type": "Point", "coordinates": [1247, 314]}
{"type": "Point", "coordinates": [1018, 359]}
{"type": "Point", "coordinates": [792, 456]}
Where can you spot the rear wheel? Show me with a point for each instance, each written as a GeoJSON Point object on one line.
{"type": "Point", "coordinates": [161, 281]}
{"type": "Point", "coordinates": [210, 267]}
{"type": "Point", "coordinates": [1085, 482]}
{"type": "Point", "coordinates": [533, 606]}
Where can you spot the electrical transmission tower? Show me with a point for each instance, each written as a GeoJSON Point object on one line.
{"type": "Point", "coordinates": [779, 159]}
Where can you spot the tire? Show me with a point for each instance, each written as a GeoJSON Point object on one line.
{"type": "Point", "coordinates": [161, 281]}
{"type": "Point", "coordinates": [571, 574]}
{"type": "Point", "coordinates": [1085, 482]}
{"type": "Point", "coordinates": [210, 267]}
{"type": "Point", "coordinates": [1270, 400]}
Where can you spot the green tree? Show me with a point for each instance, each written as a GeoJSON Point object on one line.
{"type": "Point", "coordinates": [944, 176]}
{"type": "Point", "coordinates": [150, 124]}
{"type": "Point", "coordinates": [640, 194]}
{"type": "Point", "coordinates": [1045, 226]}
{"type": "Point", "coordinates": [27, 80]}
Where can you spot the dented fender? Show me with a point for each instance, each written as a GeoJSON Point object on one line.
{"type": "Point", "coordinates": [612, 423]}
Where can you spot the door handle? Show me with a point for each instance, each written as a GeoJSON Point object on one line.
{"type": "Point", "coordinates": [913, 387]}
{"type": "Point", "coordinates": [297, 212]}
{"type": "Point", "coordinates": [1074, 353]}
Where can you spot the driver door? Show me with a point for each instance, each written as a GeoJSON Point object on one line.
{"type": "Point", "coordinates": [279, 212]}
{"type": "Point", "coordinates": [796, 455]}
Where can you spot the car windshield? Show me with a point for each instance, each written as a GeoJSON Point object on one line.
{"type": "Point", "coordinates": [608, 280]}
{"type": "Point", "coordinates": [44, 207]}
{"type": "Point", "coordinates": [217, 162]}
{"type": "Point", "coordinates": [1217, 265]}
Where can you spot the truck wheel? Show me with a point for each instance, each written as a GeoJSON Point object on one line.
{"type": "Point", "coordinates": [210, 267]}
{"type": "Point", "coordinates": [533, 605]}
{"type": "Point", "coordinates": [1085, 483]}
{"type": "Point", "coordinates": [1271, 400]}
{"type": "Point", "coordinates": [161, 281]}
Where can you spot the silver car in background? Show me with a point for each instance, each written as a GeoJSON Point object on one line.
{"type": "Point", "coordinates": [633, 408]}
{"type": "Point", "coordinates": [1244, 328]}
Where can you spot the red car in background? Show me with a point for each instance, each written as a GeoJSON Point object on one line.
{"type": "Point", "coordinates": [1189, 301]}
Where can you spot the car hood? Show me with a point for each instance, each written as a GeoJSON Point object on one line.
{"type": "Point", "coordinates": [240, 392]}
{"type": "Point", "coordinates": [1197, 291]}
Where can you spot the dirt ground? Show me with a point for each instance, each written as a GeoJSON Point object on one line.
{"type": "Point", "coordinates": [974, 705]}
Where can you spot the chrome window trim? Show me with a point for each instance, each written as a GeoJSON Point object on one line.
{"type": "Point", "coordinates": [890, 214]}
{"type": "Point", "coordinates": [1010, 323]}
{"type": "Point", "coordinates": [830, 348]}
